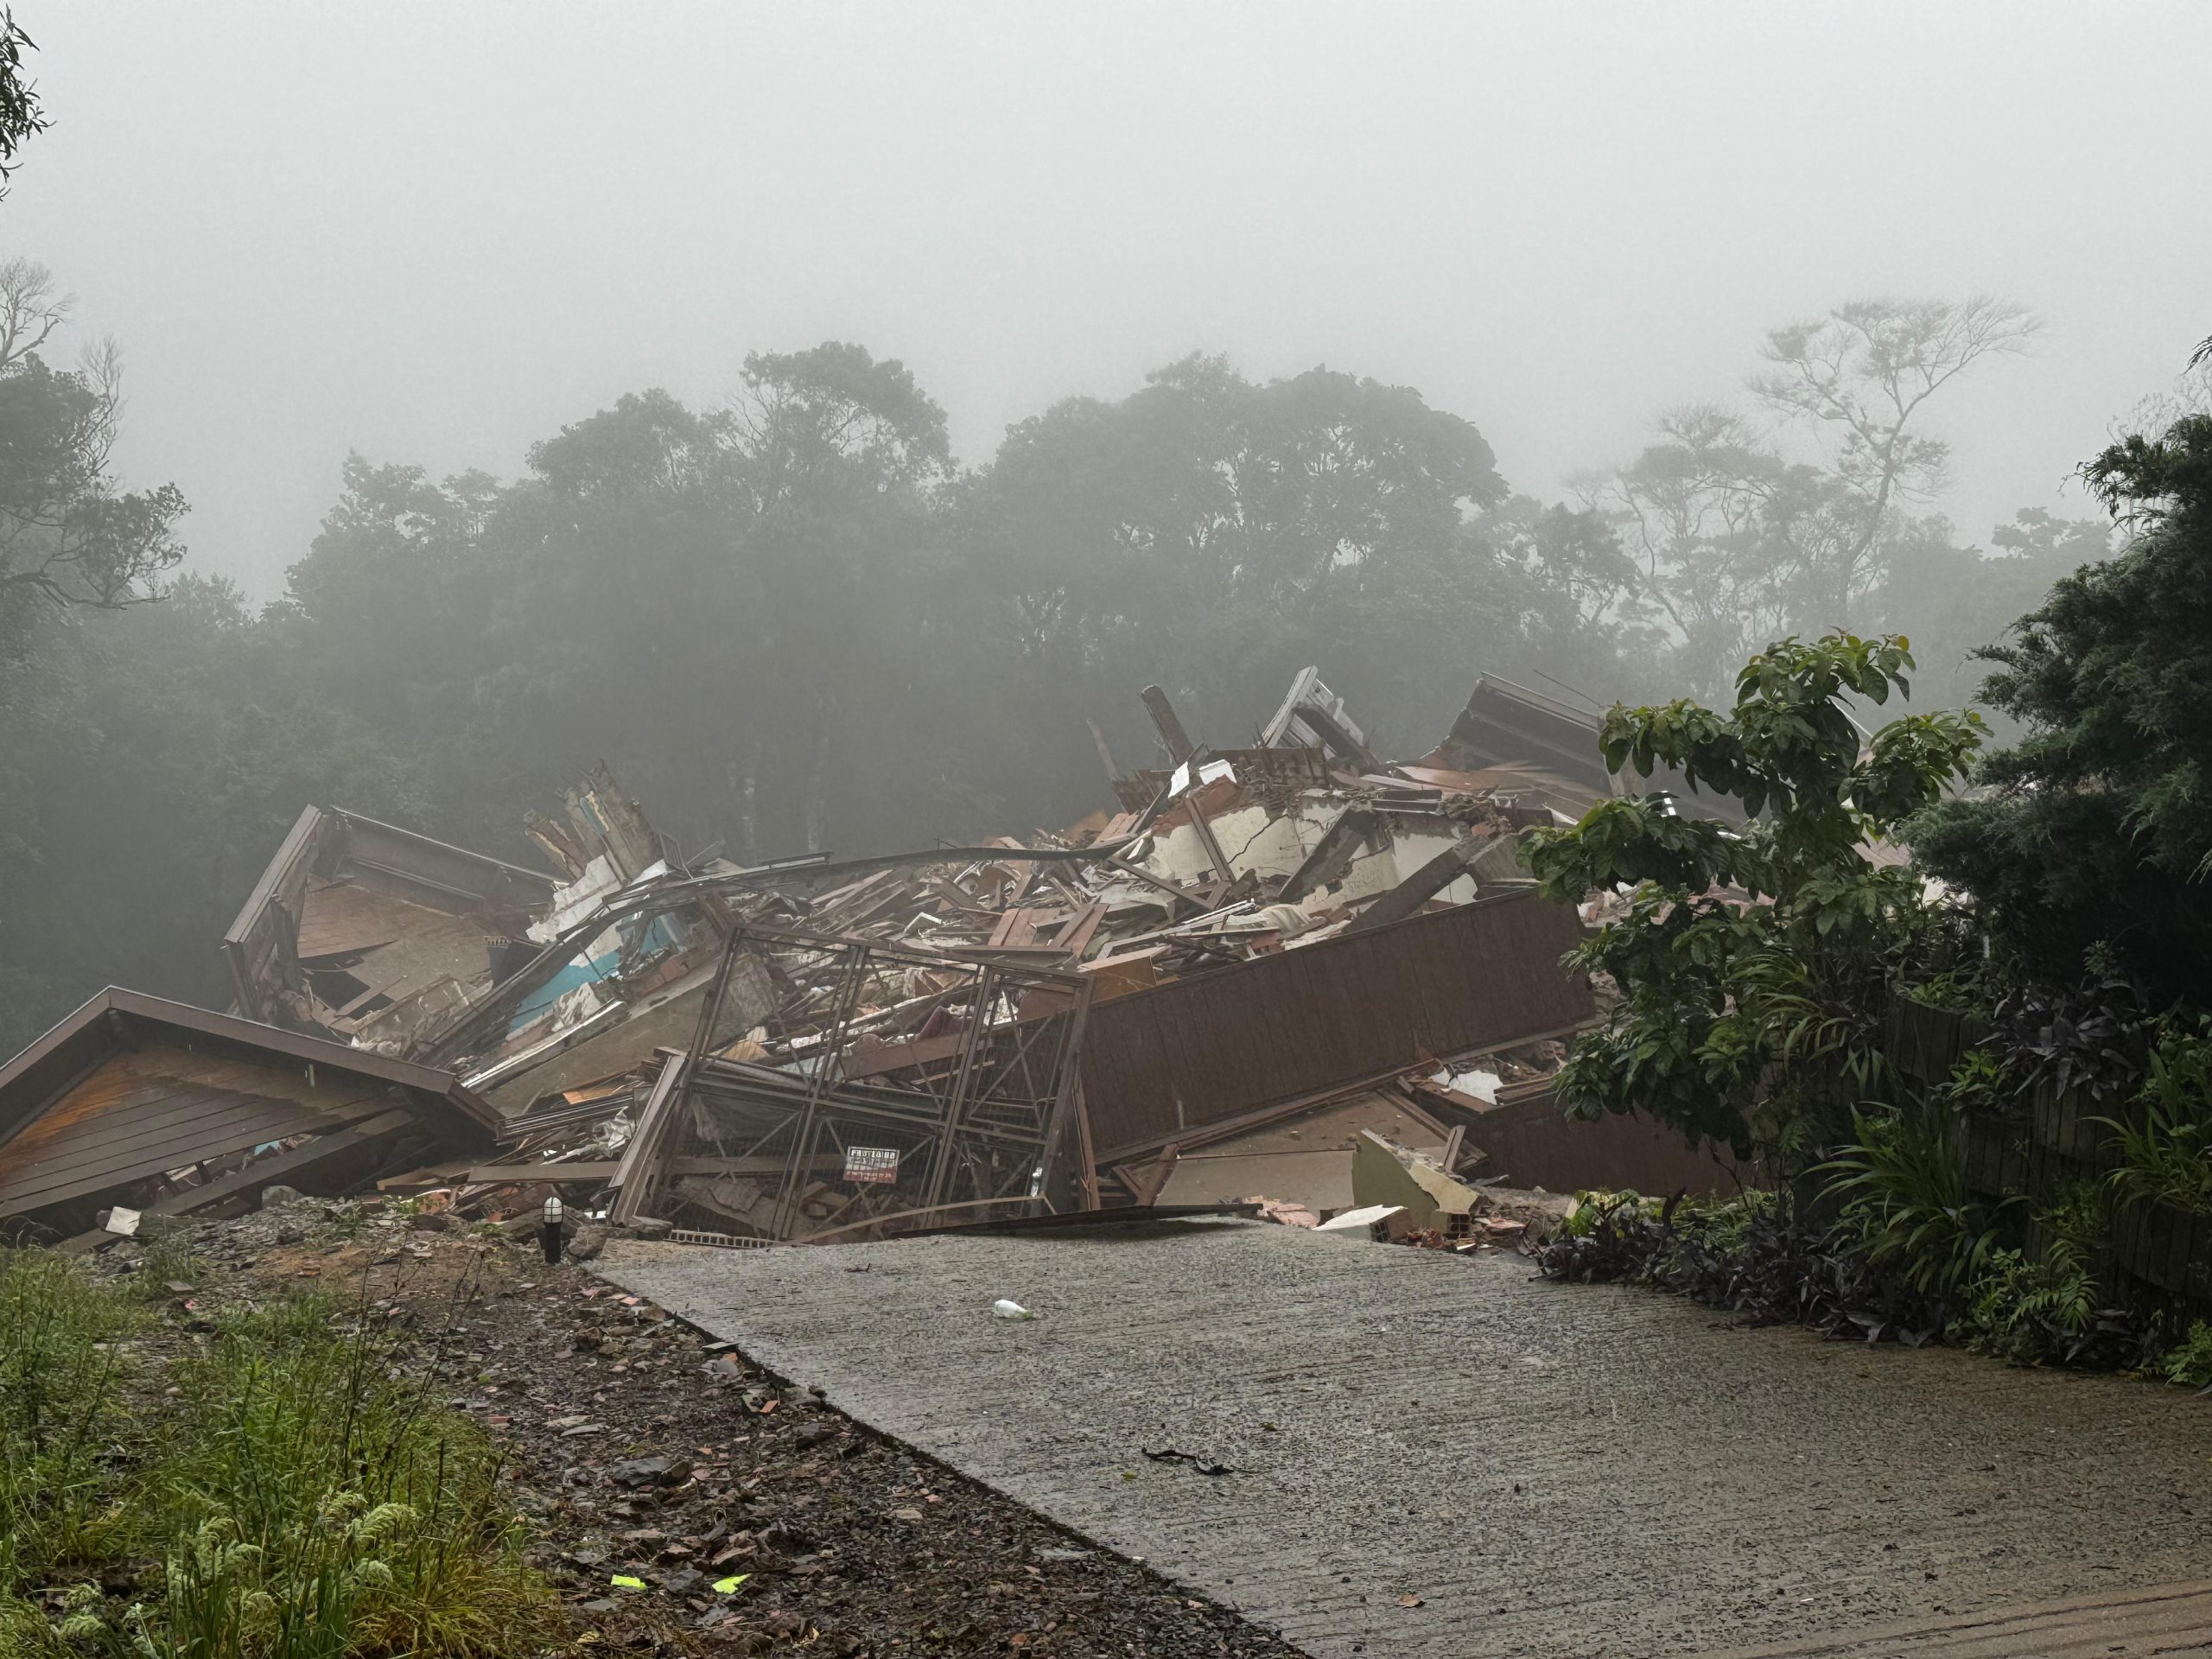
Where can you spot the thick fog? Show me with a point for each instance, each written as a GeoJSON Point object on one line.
{"type": "Point", "coordinates": [436, 234]}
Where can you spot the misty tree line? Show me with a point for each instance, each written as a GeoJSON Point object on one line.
{"type": "Point", "coordinates": [793, 621]}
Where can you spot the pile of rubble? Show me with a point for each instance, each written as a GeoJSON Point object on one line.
{"type": "Point", "coordinates": [1208, 993]}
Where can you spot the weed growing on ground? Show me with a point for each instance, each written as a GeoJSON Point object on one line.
{"type": "Point", "coordinates": [2190, 1361]}
{"type": "Point", "coordinates": [299, 1496]}
{"type": "Point", "coordinates": [61, 1409]}
{"type": "Point", "coordinates": [167, 1262]}
{"type": "Point", "coordinates": [332, 1505]}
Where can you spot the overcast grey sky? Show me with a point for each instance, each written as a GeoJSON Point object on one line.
{"type": "Point", "coordinates": [436, 232]}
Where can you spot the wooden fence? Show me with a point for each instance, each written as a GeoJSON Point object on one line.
{"type": "Point", "coordinates": [2040, 1147]}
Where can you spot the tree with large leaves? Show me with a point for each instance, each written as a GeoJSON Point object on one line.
{"type": "Point", "coordinates": [22, 115]}
{"type": "Point", "coordinates": [1752, 965]}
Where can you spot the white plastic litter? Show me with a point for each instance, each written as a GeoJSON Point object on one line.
{"type": "Point", "coordinates": [1357, 1222]}
{"type": "Point", "coordinates": [1478, 1081]}
{"type": "Point", "coordinates": [1007, 1310]}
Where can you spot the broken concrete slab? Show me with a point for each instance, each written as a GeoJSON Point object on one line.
{"type": "Point", "coordinates": [1385, 1173]}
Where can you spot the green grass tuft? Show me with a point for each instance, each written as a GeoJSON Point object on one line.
{"type": "Point", "coordinates": [299, 1496]}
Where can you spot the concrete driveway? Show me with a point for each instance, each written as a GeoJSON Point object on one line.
{"type": "Point", "coordinates": [1432, 1454]}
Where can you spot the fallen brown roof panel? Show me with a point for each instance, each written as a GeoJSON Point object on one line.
{"type": "Point", "coordinates": [1158, 1063]}
{"type": "Point", "coordinates": [129, 1086]}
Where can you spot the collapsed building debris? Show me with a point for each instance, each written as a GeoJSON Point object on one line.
{"type": "Point", "coordinates": [1507, 731]}
{"type": "Point", "coordinates": [358, 930]}
{"type": "Point", "coordinates": [886, 1080]}
{"type": "Point", "coordinates": [171, 1110]}
{"type": "Point", "coordinates": [1294, 938]}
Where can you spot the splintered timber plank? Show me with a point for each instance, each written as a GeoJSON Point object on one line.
{"type": "Point", "coordinates": [1075, 938]}
{"type": "Point", "coordinates": [956, 896]}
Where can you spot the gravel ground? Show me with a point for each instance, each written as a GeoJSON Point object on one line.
{"type": "Point", "coordinates": [641, 1448]}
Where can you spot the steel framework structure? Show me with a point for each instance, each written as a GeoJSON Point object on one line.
{"type": "Point", "coordinates": [959, 1071]}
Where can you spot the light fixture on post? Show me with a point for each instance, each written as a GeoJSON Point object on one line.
{"type": "Point", "coordinates": [549, 1230]}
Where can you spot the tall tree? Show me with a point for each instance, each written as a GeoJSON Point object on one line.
{"type": "Point", "coordinates": [20, 113]}
{"type": "Point", "coordinates": [149, 761]}
{"type": "Point", "coordinates": [69, 537]}
{"type": "Point", "coordinates": [1216, 535]}
{"type": "Point", "coordinates": [2092, 846]}
{"type": "Point", "coordinates": [1744, 533]}
{"type": "Point", "coordinates": [1858, 377]}
{"type": "Point", "coordinates": [841, 459]}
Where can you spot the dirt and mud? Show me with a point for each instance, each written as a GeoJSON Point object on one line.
{"type": "Point", "coordinates": [639, 1449]}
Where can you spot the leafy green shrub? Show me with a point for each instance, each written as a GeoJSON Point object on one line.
{"type": "Point", "coordinates": [1756, 1025]}
{"type": "Point", "coordinates": [1608, 1236]}
{"type": "Point", "coordinates": [2189, 1362]}
{"type": "Point", "coordinates": [2032, 1312]}
{"type": "Point", "coordinates": [2080, 1216]}
{"type": "Point", "coordinates": [2166, 1154]}
{"type": "Point", "coordinates": [1978, 1083]}
{"type": "Point", "coordinates": [1905, 1202]}
{"type": "Point", "coordinates": [1975, 988]}
{"type": "Point", "coordinates": [1755, 1255]}
{"type": "Point", "coordinates": [2094, 1037]}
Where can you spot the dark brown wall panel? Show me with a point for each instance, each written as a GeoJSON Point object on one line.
{"type": "Point", "coordinates": [1332, 1013]}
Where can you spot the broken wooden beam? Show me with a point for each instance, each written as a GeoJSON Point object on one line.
{"type": "Point", "coordinates": [1417, 889]}
{"type": "Point", "coordinates": [640, 1168]}
{"type": "Point", "coordinates": [1178, 741]}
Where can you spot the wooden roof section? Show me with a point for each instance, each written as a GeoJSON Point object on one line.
{"type": "Point", "coordinates": [1508, 725]}
{"type": "Point", "coordinates": [129, 1086]}
{"type": "Point", "coordinates": [402, 908]}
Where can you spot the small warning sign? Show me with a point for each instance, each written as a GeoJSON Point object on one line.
{"type": "Point", "coordinates": [872, 1164]}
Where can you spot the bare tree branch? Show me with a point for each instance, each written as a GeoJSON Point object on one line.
{"type": "Point", "coordinates": [30, 309]}
{"type": "Point", "coordinates": [1865, 369]}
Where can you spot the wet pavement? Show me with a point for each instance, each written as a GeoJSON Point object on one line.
{"type": "Point", "coordinates": [1424, 1453]}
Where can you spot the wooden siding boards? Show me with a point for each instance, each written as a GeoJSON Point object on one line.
{"type": "Point", "coordinates": [119, 1149]}
{"type": "Point", "coordinates": [262, 948]}
{"type": "Point", "coordinates": [1339, 1012]}
{"type": "Point", "coordinates": [129, 1086]}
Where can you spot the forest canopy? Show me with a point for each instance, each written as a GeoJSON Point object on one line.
{"type": "Point", "coordinates": [794, 622]}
